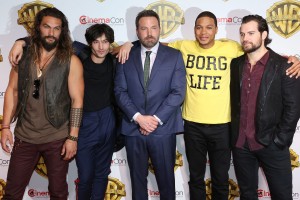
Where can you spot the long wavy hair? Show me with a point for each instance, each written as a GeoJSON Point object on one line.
{"type": "Point", "coordinates": [64, 46]}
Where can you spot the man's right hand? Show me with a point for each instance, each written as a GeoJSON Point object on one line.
{"type": "Point", "coordinates": [147, 123]}
{"type": "Point", "coordinates": [16, 52]}
{"type": "Point", "coordinates": [7, 142]}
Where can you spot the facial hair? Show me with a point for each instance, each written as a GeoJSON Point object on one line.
{"type": "Point", "coordinates": [49, 46]}
{"type": "Point", "coordinates": [149, 44]}
{"type": "Point", "coordinates": [252, 48]}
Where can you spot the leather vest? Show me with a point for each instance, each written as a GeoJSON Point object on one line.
{"type": "Point", "coordinates": [57, 98]}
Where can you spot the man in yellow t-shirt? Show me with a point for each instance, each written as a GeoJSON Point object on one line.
{"type": "Point", "coordinates": [206, 108]}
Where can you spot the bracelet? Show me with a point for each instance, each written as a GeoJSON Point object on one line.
{"type": "Point", "coordinates": [75, 117]}
{"type": "Point", "coordinates": [73, 138]}
{"type": "Point", "coordinates": [5, 127]}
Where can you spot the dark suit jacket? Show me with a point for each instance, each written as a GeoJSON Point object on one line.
{"type": "Point", "coordinates": [277, 106]}
{"type": "Point", "coordinates": [165, 93]}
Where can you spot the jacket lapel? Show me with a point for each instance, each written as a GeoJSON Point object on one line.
{"type": "Point", "coordinates": [138, 64]}
{"type": "Point", "coordinates": [268, 76]}
{"type": "Point", "coordinates": [157, 63]}
{"type": "Point", "coordinates": [241, 64]}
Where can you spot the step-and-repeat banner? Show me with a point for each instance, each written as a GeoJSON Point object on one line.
{"type": "Point", "coordinates": [177, 22]}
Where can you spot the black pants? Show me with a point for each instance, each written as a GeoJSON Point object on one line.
{"type": "Point", "coordinates": [213, 139]}
{"type": "Point", "coordinates": [276, 165]}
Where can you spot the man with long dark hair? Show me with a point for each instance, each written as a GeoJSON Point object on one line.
{"type": "Point", "coordinates": [45, 96]}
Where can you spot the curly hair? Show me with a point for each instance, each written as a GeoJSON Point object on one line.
{"type": "Point", "coordinates": [64, 47]}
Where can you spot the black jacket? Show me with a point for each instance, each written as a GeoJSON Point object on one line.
{"type": "Point", "coordinates": [277, 106]}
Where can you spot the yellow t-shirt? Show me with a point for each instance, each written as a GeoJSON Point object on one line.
{"type": "Point", "coordinates": [207, 97]}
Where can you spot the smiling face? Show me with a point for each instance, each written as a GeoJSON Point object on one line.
{"type": "Point", "coordinates": [205, 32]}
{"type": "Point", "coordinates": [251, 38]}
{"type": "Point", "coordinates": [100, 48]}
{"type": "Point", "coordinates": [50, 31]}
{"type": "Point", "coordinates": [148, 31]}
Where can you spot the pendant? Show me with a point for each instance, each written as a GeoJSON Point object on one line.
{"type": "Point", "coordinates": [39, 72]}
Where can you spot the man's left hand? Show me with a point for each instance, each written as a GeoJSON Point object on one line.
{"type": "Point", "coordinates": [294, 70]}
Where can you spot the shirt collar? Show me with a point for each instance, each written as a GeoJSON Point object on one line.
{"type": "Point", "coordinates": [263, 60]}
{"type": "Point", "coordinates": [153, 49]}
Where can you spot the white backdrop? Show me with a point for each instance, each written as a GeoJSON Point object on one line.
{"type": "Point", "coordinates": [178, 20]}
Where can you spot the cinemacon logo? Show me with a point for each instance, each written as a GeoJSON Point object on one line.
{"type": "Point", "coordinates": [154, 193]}
{"type": "Point", "coordinates": [118, 161]}
{"type": "Point", "coordinates": [35, 193]}
{"type": "Point", "coordinates": [2, 94]}
{"type": "Point", "coordinates": [4, 162]}
{"type": "Point", "coordinates": [263, 193]}
{"type": "Point", "coordinates": [230, 20]}
{"type": "Point", "coordinates": [101, 20]}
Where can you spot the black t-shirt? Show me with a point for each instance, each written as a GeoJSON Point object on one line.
{"type": "Point", "coordinates": [98, 80]}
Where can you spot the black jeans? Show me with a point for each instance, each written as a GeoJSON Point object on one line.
{"type": "Point", "coordinates": [276, 165]}
{"type": "Point", "coordinates": [213, 139]}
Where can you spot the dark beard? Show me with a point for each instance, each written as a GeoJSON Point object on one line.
{"type": "Point", "coordinates": [49, 46]}
{"type": "Point", "coordinates": [253, 48]}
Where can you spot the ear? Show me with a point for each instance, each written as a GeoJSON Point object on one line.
{"type": "Point", "coordinates": [264, 35]}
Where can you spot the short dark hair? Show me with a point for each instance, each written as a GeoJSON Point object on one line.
{"type": "Point", "coordinates": [146, 13]}
{"type": "Point", "coordinates": [207, 14]}
{"type": "Point", "coordinates": [262, 25]}
{"type": "Point", "coordinates": [97, 30]}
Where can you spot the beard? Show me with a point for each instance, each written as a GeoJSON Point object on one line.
{"type": "Point", "coordinates": [149, 41]}
{"type": "Point", "coordinates": [252, 48]}
{"type": "Point", "coordinates": [49, 46]}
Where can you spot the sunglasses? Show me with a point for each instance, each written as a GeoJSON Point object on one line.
{"type": "Point", "coordinates": [36, 93]}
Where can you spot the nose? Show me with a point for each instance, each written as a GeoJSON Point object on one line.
{"type": "Point", "coordinates": [51, 32]}
{"type": "Point", "coordinates": [149, 32]}
{"type": "Point", "coordinates": [100, 45]}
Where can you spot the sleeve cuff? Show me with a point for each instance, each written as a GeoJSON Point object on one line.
{"type": "Point", "coordinates": [159, 121]}
{"type": "Point", "coordinates": [135, 116]}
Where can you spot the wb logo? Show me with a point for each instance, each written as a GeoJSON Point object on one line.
{"type": "Point", "coordinates": [170, 14]}
{"type": "Point", "coordinates": [284, 17]}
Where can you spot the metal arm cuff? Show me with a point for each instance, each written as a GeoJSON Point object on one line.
{"type": "Point", "coordinates": [75, 117]}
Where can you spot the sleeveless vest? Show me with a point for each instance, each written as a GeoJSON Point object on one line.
{"type": "Point", "coordinates": [57, 98]}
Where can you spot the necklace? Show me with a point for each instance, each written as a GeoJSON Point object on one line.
{"type": "Point", "coordinates": [39, 70]}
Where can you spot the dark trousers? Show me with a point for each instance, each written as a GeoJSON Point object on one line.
{"type": "Point", "coordinates": [276, 165]}
{"type": "Point", "coordinates": [95, 149]}
{"type": "Point", "coordinates": [162, 151]}
{"type": "Point", "coordinates": [213, 139]}
{"type": "Point", "coordinates": [23, 160]}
